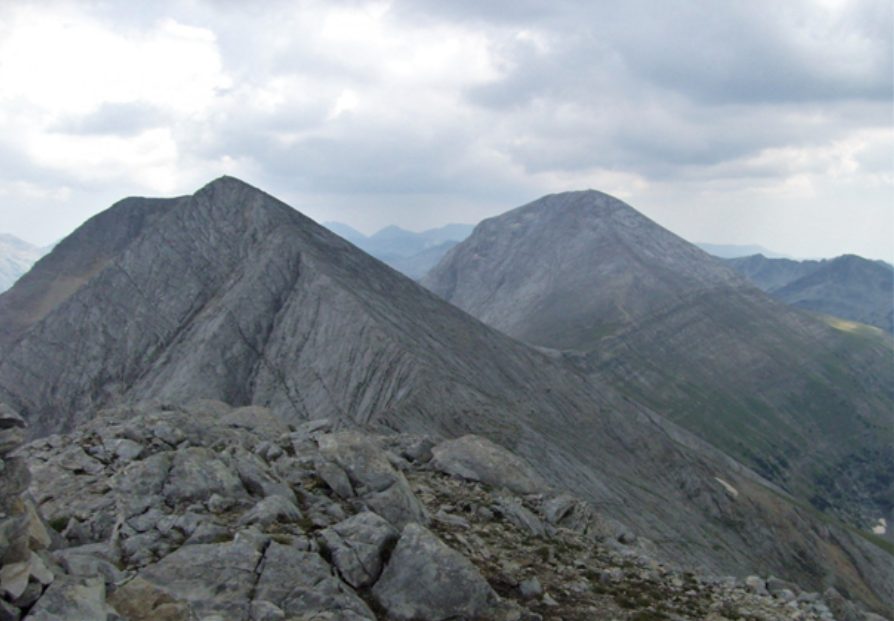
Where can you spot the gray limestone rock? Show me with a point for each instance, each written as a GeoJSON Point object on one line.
{"type": "Point", "coordinates": [271, 510]}
{"type": "Point", "coordinates": [73, 599]}
{"type": "Point", "coordinates": [515, 512]}
{"type": "Point", "coordinates": [426, 580]}
{"type": "Point", "coordinates": [214, 578]}
{"type": "Point", "coordinates": [90, 561]}
{"type": "Point", "coordinates": [357, 546]}
{"type": "Point", "coordinates": [301, 584]}
{"type": "Point", "coordinates": [197, 473]}
{"type": "Point", "coordinates": [479, 459]}
{"type": "Point", "coordinates": [383, 488]}
{"type": "Point", "coordinates": [257, 479]}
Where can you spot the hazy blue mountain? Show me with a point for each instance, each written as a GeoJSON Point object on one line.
{"type": "Point", "coordinates": [732, 251]}
{"type": "Point", "coordinates": [408, 252]}
{"type": "Point", "coordinates": [418, 265]}
{"type": "Point", "coordinates": [849, 286]}
{"type": "Point", "coordinates": [16, 258]}
{"type": "Point", "coordinates": [346, 232]}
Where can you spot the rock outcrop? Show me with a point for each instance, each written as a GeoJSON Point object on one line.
{"type": "Point", "coordinates": [26, 570]}
{"type": "Point", "coordinates": [117, 556]}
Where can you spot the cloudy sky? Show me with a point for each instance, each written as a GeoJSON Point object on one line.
{"type": "Point", "coordinates": [753, 121]}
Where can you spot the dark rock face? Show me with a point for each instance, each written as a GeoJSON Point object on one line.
{"type": "Point", "coordinates": [849, 287]}
{"type": "Point", "coordinates": [672, 327]}
{"type": "Point", "coordinates": [232, 295]}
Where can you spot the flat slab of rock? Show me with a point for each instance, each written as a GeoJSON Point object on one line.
{"type": "Point", "coordinates": [215, 578]}
{"type": "Point", "coordinates": [478, 459]}
{"type": "Point", "coordinates": [425, 580]}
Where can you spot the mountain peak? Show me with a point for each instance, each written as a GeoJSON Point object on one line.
{"type": "Point", "coordinates": [592, 202]}
{"type": "Point", "coordinates": [226, 181]}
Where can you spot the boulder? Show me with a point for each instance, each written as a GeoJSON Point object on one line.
{"type": "Point", "coordinates": [271, 510]}
{"type": "Point", "coordinates": [515, 512]}
{"type": "Point", "coordinates": [301, 584]}
{"type": "Point", "coordinates": [357, 546]}
{"type": "Point", "coordinates": [214, 578]}
{"type": "Point", "coordinates": [139, 600]}
{"type": "Point", "coordinates": [381, 487]}
{"type": "Point", "coordinates": [71, 598]}
{"type": "Point", "coordinates": [197, 473]}
{"type": "Point", "coordinates": [478, 459]}
{"type": "Point", "coordinates": [428, 581]}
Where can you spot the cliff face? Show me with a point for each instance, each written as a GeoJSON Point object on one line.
{"type": "Point", "coordinates": [636, 306]}
{"type": "Point", "coordinates": [231, 295]}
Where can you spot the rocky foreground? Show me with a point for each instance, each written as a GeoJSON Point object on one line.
{"type": "Point", "coordinates": [208, 512]}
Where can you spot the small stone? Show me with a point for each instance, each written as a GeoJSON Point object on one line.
{"type": "Point", "coordinates": [756, 585]}
{"type": "Point", "coordinates": [271, 510]}
{"type": "Point", "coordinates": [14, 578]}
{"type": "Point", "coordinates": [262, 610]}
{"type": "Point", "coordinates": [530, 588]}
{"type": "Point", "coordinates": [218, 504]}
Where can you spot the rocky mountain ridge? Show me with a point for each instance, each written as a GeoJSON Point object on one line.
{"type": "Point", "coordinates": [808, 406]}
{"type": "Point", "coordinates": [214, 512]}
{"type": "Point", "coordinates": [848, 287]}
{"type": "Point", "coordinates": [231, 295]}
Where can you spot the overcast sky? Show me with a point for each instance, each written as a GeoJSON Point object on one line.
{"type": "Point", "coordinates": [727, 121]}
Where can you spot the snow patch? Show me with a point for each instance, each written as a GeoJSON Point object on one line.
{"type": "Point", "coordinates": [732, 491]}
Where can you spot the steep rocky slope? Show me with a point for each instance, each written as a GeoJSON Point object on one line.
{"type": "Point", "coordinates": [808, 406]}
{"type": "Point", "coordinates": [231, 295]}
{"type": "Point", "coordinates": [73, 262]}
{"type": "Point", "coordinates": [849, 287]}
{"type": "Point", "coordinates": [214, 512]}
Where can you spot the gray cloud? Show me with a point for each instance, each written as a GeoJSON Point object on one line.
{"type": "Point", "coordinates": [718, 101]}
{"type": "Point", "coordinates": [122, 119]}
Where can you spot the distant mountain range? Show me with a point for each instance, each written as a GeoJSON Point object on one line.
{"type": "Point", "coordinates": [16, 258]}
{"type": "Point", "coordinates": [732, 251]}
{"type": "Point", "coordinates": [808, 406]}
{"type": "Point", "coordinates": [410, 253]}
{"type": "Point", "coordinates": [849, 287]}
{"type": "Point", "coordinates": [229, 294]}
